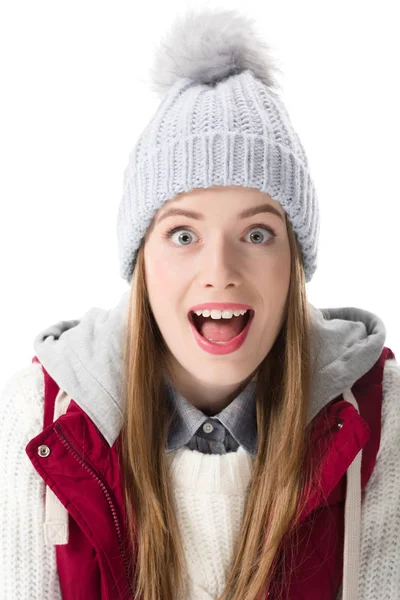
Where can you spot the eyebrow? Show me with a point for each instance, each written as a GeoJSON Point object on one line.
{"type": "Point", "coordinates": [248, 212]}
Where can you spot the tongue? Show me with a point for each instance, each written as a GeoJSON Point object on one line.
{"type": "Point", "coordinates": [221, 330]}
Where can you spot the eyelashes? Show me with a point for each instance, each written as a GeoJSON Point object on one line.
{"type": "Point", "coordinates": [170, 232]}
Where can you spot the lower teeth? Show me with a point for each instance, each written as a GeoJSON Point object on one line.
{"type": "Point", "coordinates": [215, 341]}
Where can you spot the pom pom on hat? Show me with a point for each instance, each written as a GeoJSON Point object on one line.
{"type": "Point", "coordinates": [208, 47]}
{"type": "Point", "coordinates": [220, 122]}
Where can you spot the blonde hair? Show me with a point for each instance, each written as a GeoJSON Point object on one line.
{"type": "Point", "coordinates": [279, 475]}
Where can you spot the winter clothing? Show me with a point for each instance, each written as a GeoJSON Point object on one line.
{"type": "Point", "coordinates": [232, 428]}
{"type": "Point", "coordinates": [220, 123]}
{"type": "Point", "coordinates": [82, 500]}
{"type": "Point", "coordinates": [62, 512]}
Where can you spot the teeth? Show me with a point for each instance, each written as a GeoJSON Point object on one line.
{"type": "Point", "coordinates": [218, 314]}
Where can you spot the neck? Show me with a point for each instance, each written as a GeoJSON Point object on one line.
{"type": "Point", "coordinates": [210, 399]}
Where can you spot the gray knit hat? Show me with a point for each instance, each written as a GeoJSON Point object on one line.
{"type": "Point", "coordinates": [219, 122]}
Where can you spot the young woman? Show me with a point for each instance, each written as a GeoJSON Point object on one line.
{"type": "Point", "coordinates": [214, 435]}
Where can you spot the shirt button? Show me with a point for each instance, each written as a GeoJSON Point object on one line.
{"type": "Point", "coordinates": [207, 427]}
{"type": "Point", "coordinates": [339, 424]}
{"type": "Point", "coordinates": [43, 450]}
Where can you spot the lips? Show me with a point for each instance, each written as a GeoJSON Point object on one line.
{"type": "Point", "coordinates": [221, 348]}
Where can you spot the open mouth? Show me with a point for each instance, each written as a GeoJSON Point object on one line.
{"type": "Point", "coordinates": [225, 328]}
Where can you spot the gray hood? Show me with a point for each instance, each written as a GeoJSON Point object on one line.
{"type": "Point", "coordinates": [84, 356]}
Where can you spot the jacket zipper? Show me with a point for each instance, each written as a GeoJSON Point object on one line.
{"type": "Point", "coordinates": [67, 444]}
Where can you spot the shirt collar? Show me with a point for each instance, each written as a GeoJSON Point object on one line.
{"type": "Point", "coordinates": [239, 418]}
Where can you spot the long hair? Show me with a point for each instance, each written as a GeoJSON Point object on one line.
{"type": "Point", "coordinates": [279, 475]}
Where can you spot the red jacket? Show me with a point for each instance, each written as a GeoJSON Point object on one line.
{"type": "Point", "coordinates": [80, 467]}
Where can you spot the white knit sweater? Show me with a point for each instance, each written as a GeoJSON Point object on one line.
{"type": "Point", "coordinates": [210, 492]}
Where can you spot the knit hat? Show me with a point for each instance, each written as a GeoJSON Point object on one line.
{"type": "Point", "coordinates": [220, 122]}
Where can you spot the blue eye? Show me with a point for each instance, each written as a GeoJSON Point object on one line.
{"type": "Point", "coordinates": [187, 233]}
{"type": "Point", "coordinates": [185, 237]}
{"type": "Point", "coordinates": [262, 227]}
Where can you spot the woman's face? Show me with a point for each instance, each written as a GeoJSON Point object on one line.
{"type": "Point", "coordinates": [217, 258]}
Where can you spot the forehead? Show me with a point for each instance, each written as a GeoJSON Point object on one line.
{"type": "Point", "coordinates": [251, 195]}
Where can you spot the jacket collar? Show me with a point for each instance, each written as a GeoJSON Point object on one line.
{"type": "Point", "coordinates": [84, 356]}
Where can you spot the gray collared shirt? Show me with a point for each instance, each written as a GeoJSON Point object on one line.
{"type": "Point", "coordinates": [235, 425]}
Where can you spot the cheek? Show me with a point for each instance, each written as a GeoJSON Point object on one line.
{"type": "Point", "coordinates": [164, 286]}
{"type": "Point", "coordinates": [282, 271]}
{"type": "Point", "coordinates": [161, 273]}
{"type": "Point", "coordinates": [162, 277]}
{"type": "Point", "coordinates": [273, 281]}
{"type": "Point", "coordinates": [280, 265]}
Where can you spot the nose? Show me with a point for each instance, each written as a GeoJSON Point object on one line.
{"type": "Point", "coordinates": [220, 267]}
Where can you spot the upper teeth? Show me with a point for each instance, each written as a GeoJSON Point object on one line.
{"type": "Point", "coordinates": [218, 314]}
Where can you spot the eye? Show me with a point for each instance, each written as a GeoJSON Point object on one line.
{"type": "Point", "coordinates": [259, 228]}
{"type": "Point", "coordinates": [185, 237]}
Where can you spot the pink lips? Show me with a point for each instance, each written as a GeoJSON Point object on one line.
{"type": "Point", "coordinates": [227, 347]}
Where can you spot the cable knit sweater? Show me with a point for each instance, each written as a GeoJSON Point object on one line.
{"type": "Point", "coordinates": [209, 490]}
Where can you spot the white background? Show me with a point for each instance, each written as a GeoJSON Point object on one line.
{"type": "Point", "coordinates": [75, 96]}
